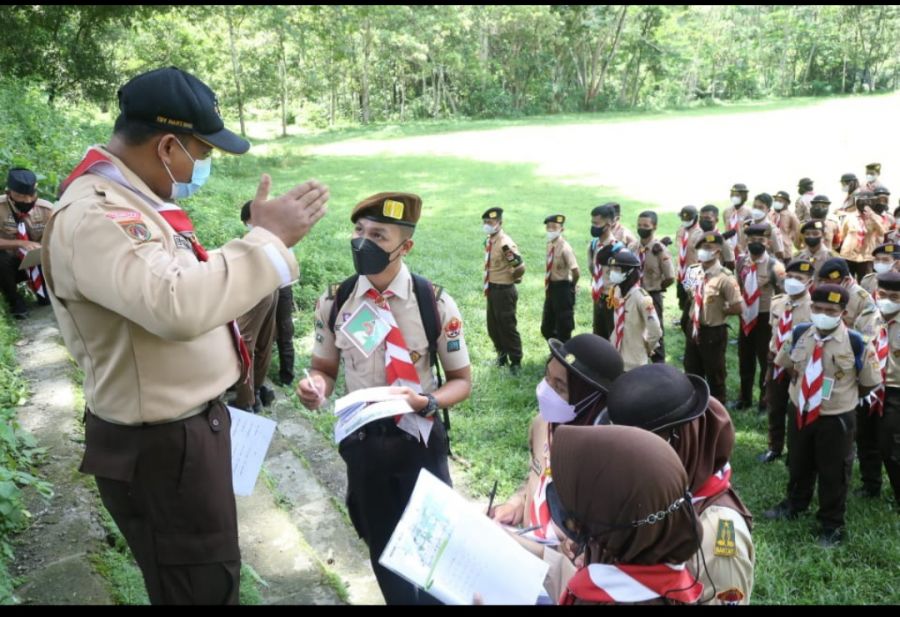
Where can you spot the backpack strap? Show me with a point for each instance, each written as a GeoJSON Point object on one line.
{"type": "Point", "coordinates": [858, 344]}
{"type": "Point", "coordinates": [799, 330]}
{"type": "Point", "coordinates": [340, 293]}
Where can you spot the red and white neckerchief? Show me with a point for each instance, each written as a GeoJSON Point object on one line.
{"type": "Point", "coordinates": [697, 307]}
{"type": "Point", "coordinates": [596, 271]}
{"type": "Point", "coordinates": [861, 232]}
{"type": "Point", "coordinates": [35, 274]}
{"type": "Point", "coordinates": [539, 513]}
{"type": "Point", "coordinates": [682, 253]}
{"type": "Point", "coordinates": [751, 295]}
{"type": "Point", "coordinates": [96, 162]}
{"type": "Point", "coordinates": [810, 395]}
{"type": "Point", "coordinates": [399, 368]}
{"type": "Point", "coordinates": [618, 318]}
{"type": "Point", "coordinates": [625, 584]}
{"type": "Point", "coordinates": [716, 484]}
{"type": "Point", "coordinates": [487, 262]}
{"type": "Point", "coordinates": [876, 396]}
{"type": "Point", "coordinates": [551, 250]}
{"type": "Point", "coordinates": [734, 221]}
{"type": "Point", "coordinates": [785, 327]}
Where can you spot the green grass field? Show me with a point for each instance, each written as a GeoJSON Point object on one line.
{"type": "Point", "coordinates": [490, 429]}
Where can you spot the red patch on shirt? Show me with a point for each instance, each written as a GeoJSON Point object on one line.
{"type": "Point", "coordinates": [453, 328]}
{"type": "Point", "coordinates": [731, 596]}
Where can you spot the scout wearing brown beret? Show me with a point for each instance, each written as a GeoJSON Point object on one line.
{"type": "Point", "coordinates": [394, 208]}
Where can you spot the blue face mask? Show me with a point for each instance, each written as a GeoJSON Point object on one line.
{"type": "Point", "coordinates": [202, 169]}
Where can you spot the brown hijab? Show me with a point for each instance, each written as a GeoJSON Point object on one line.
{"type": "Point", "coordinates": [704, 445]}
{"type": "Point", "coordinates": [614, 475]}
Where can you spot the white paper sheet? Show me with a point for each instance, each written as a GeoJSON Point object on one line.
{"type": "Point", "coordinates": [361, 414]}
{"type": "Point", "coordinates": [448, 547]}
{"type": "Point", "coordinates": [32, 258]}
{"type": "Point", "coordinates": [360, 407]}
{"type": "Point", "coordinates": [250, 438]}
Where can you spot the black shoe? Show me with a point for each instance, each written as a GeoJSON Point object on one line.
{"type": "Point", "coordinates": [285, 379]}
{"type": "Point", "coordinates": [19, 309]}
{"type": "Point", "coordinates": [829, 538]}
{"type": "Point", "coordinates": [502, 359]}
{"type": "Point", "coordinates": [514, 368]}
{"type": "Point", "coordinates": [266, 395]}
{"type": "Point", "coordinates": [782, 511]}
{"type": "Point", "coordinates": [761, 407]}
{"type": "Point", "coordinates": [42, 301]}
{"type": "Point", "coordinates": [257, 408]}
{"type": "Point", "coordinates": [867, 493]}
{"type": "Point", "coordinates": [768, 456]}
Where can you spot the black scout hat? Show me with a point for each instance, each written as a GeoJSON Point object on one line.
{"type": "Point", "coordinates": [21, 180]}
{"type": "Point", "coordinates": [881, 190]}
{"type": "Point", "coordinates": [739, 187]}
{"type": "Point", "coordinates": [495, 214]}
{"type": "Point", "coordinates": [889, 280]}
{"type": "Point", "coordinates": [812, 226]}
{"type": "Point", "coordinates": [394, 208]}
{"type": "Point", "coordinates": [710, 238]}
{"type": "Point", "coordinates": [848, 178]}
{"type": "Point", "coordinates": [593, 358]}
{"type": "Point", "coordinates": [555, 218]}
{"type": "Point", "coordinates": [820, 199]}
{"type": "Point", "coordinates": [835, 269]}
{"type": "Point", "coordinates": [173, 100]}
{"type": "Point", "coordinates": [624, 259]}
{"type": "Point", "coordinates": [783, 195]}
{"type": "Point", "coordinates": [758, 229]}
{"type": "Point", "coordinates": [802, 266]}
{"type": "Point", "coordinates": [832, 294]}
{"type": "Point", "coordinates": [889, 248]}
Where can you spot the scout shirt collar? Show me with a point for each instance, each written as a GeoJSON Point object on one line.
{"type": "Point", "coordinates": [837, 335]}
{"type": "Point", "coordinates": [119, 173]}
{"type": "Point", "coordinates": [399, 286]}
{"type": "Point", "coordinates": [715, 269]}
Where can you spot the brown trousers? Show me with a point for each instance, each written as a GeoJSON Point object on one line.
{"type": "Point", "coordinates": [258, 331]}
{"type": "Point", "coordinates": [168, 488]}
{"type": "Point", "coordinates": [501, 321]}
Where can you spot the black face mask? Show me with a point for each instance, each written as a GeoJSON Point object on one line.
{"type": "Point", "coordinates": [597, 232]}
{"type": "Point", "coordinates": [368, 257]}
{"type": "Point", "coordinates": [879, 208]}
{"type": "Point", "coordinates": [24, 207]}
{"type": "Point", "coordinates": [818, 213]}
{"type": "Point", "coordinates": [756, 248]}
{"type": "Point", "coordinates": [644, 233]}
{"type": "Point", "coordinates": [707, 225]}
{"type": "Point", "coordinates": [812, 242]}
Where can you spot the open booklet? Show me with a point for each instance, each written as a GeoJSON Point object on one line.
{"type": "Point", "coordinates": [449, 548]}
{"type": "Point", "coordinates": [369, 404]}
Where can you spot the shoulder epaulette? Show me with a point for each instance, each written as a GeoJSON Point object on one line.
{"type": "Point", "coordinates": [332, 291]}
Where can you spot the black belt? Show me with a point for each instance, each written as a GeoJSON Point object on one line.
{"type": "Point", "coordinates": [500, 285]}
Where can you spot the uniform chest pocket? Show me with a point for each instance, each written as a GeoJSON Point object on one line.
{"type": "Point", "coordinates": [844, 365]}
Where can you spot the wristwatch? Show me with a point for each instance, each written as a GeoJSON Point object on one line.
{"type": "Point", "coordinates": [430, 408]}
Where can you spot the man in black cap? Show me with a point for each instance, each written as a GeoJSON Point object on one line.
{"type": "Point", "coordinates": [887, 258]}
{"type": "Point", "coordinates": [148, 314]}
{"type": "Point", "coordinates": [23, 217]}
{"type": "Point", "coordinates": [814, 250]}
{"type": "Point", "coordinates": [830, 367]}
{"type": "Point", "coordinates": [861, 313]}
{"type": "Point", "coordinates": [818, 211]}
{"type": "Point", "coordinates": [686, 238]}
{"type": "Point", "coordinates": [560, 279]}
{"type": "Point", "coordinates": [736, 214]}
{"type": "Point", "coordinates": [804, 199]}
{"type": "Point", "coordinates": [786, 222]}
{"type": "Point", "coordinates": [873, 172]}
{"type": "Point", "coordinates": [603, 244]}
{"type": "Point", "coordinates": [503, 270]}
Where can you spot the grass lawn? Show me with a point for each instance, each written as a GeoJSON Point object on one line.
{"type": "Point", "coordinates": [490, 429]}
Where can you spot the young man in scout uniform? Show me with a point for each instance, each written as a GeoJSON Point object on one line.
{"type": "Point", "coordinates": [735, 215]}
{"type": "Point", "coordinates": [804, 199]}
{"type": "Point", "coordinates": [862, 230]}
{"type": "Point", "coordinates": [709, 222]}
{"type": "Point", "coordinates": [636, 329]}
{"type": "Point", "coordinates": [657, 269]}
{"type": "Point", "coordinates": [873, 173]}
{"type": "Point", "coordinates": [786, 222]}
{"type": "Point", "coordinates": [686, 238]}
{"type": "Point", "coordinates": [886, 257]}
{"type": "Point", "coordinates": [878, 431]}
{"type": "Point", "coordinates": [760, 276]}
{"type": "Point", "coordinates": [618, 230]}
{"type": "Point", "coordinates": [818, 211]}
{"type": "Point", "coordinates": [715, 296]}
{"type": "Point", "coordinates": [861, 313]}
{"type": "Point", "coordinates": [503, 270]}
{"type": "Point", "coordinates": [602, 245]}
{"type": "Point", "coordinates": [849, 189]}
{"type": "Point", "coordinates": [787, 310]}
{"type": "Point", "coordinates": [385, 456]}
{"type": "Point", "coordinates": [830, 367]}
{"type": "Point", "coordinates": [814, 249]}
{"type": "Point", "coordinates": [759, 214]}
{"type": "Point", "coordinates": [22, 220]}
{"type": "Point", "coordinates": [560, 278]}
{"type": "Point", "coordinates": [148, 313]}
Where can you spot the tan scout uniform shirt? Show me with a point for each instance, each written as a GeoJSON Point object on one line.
{"type": "Point", "coordinates": [728, 549]}
{"type": "Point", "coordinates": [801, 314]}
{"type": "Point", "coordinates": [539, 446]}
{"type": "Point", "coordinates": [862, 312]}
{"type": "Point", "coordinates": [500, 270]}
{"type": "Point", "coordinates": [694, 235]}
{"type": "Point", "coordinates": [817, 258]}
{"type": "Point", "coordinates": [34, 223]}
{"type": "Point", "coordinates": [838, 363]}
{"type": "Point", "coordinates": [658, 267]}
{"type": "Point", "coordinates": [642, 329]}
{"type": "Point", "coordinates": [893, 360]}
{"type": "Point", "coordinates": [871, 225]}
{"type": "Point", "coordinates": [361, 372]}
{"type": "Point", "coordinates": [831, 235]}
{"type": "Point", "coordinates": [743, 214]}
{"type": "Point", "coordinates": [802, 205]}
{"type": "Point", "coordinates": [145, 320]}
{"type": "Point", "coordinates": [623, 235]}
{"type": "Point", "coordinates": [563, 261]}
{"type": "Point", "coordinates": [720, 290]}
{"type": "Point", "coordinates": [870, 282]}
{"type": "Point", "coordinates": [789, 226]}
{"type": "Point", "coordinates": [765, 270]}
{"type": "Point", "coordinates": [776, 242]}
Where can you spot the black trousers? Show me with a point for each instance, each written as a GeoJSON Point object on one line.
{"type": "Point", "coordinates": [558, 319]}
{"type": "Point", "coordinates": [501, 321]}
{"type": "Point", "coordinates": [878, 442]}
{"type": "Point", "coordinates": [706, 358]}
{"type": "Point", "coordinates": [604, 318]}
{"type": "Point", "coordinates": [820, 449]}
{"type": "Point", "coordinates": [284, 333]}
{"type": "Point", "coordinates": [383, 464]}
{"type": "Point", "coordinates": [777, 401]}
{"type": "Point", "coordinates": [753, 350]}
{"type": "Point", "coordinates": [659, 355]}
{"type": "Point", "coordinates": [684, 304]}
{"type": "Point", "coordinates": [10, 276]}
{"type": "Point", "coordinates": [168, 488]}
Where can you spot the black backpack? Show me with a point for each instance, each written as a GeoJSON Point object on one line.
{"type": "Point", "coordinates": [427, 296]}
{"type": "Point", "coordinates": [856, 342]}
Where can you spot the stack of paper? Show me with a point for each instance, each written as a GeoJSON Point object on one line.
{"type": "Point", "coordinates": [369, 404]}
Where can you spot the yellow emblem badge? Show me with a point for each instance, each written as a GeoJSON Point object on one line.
{"type": "Point", "coordinates": [393, 209]}
{"type": "Point", "coordinates": [725, 539]}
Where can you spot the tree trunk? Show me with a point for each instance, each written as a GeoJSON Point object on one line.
{"type": "Point", "coordinates": [402, 101]}
{"type": "Point", "coordinates": [448, 95]}
{"type": "Point", "coordinates": [598, 86]}
{"type": "Point", "coordinates": [282, 74]}
{"type": "Point", "coordinates": [236, 68]}
{"type": "Point", "coordinates": [364, 95]}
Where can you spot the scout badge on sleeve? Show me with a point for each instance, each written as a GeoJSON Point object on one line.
{"type": "Point", "coordinates": [365, 329]}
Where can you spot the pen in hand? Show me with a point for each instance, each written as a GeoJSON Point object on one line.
{"type": "Point", "coordinates": [491, 500]}
{"type": "Point", "coordinates": [313, 384]}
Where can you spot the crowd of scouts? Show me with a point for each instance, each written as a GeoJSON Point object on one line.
{"type": "Point", "coordinates": [639, 507]}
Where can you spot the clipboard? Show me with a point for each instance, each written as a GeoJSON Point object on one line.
{"type": "Point", "coordinates": [31, 259]}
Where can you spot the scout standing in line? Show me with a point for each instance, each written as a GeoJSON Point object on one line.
{"type": "Point", "coordinates": [818, 211]}
{"type": "Point", "coordinates": [873, 172]}
{"type": "Point", "coordinates": [657, 270]}
{"type": "Point", "coordinates": [886, 259]}
{"type": "Point", "coordinates": [601, 247]}
{"type": "Point", "coordinates": [689, 233]}
{"type": "Point", "coordinates": [804, 199]}
{"type": "Point", "coordinates": [503, 270]}
{"type": "Point", "coordinates": [788, 310]}
{"type": "Point", "coordinates": [560, 279]}
{"type": "Point", "coordinates": [862, 230]}
{"type": "Point", "coordinates": [385, 456]}
{"type": "Point", "coordinates": [709, 222]}
{"type": "Point", "coordinates": [619, 231]}
{"type": "Point", "coordinates": [637, 330]}
{"type": "Point", "coordinates": [881, 208]}
{"type": "Point", "coordinates": [735, 215]}
{"type": "Point", "coordinates": [786, 222]}
{"type": "Point", "coordinates": [830, 367]}
{"type": "Point", "coordinates": [814, 249]}
{"type": "Point", "coordinates": [759, 214]}
{"type": "Point", "coordinates": [861, 314]}
{"type": "Point", "coordinates": [716, 295]}
{"type": "Point", "coordinates": [760, 276]}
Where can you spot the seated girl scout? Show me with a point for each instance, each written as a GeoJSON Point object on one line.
{"type": "Point", "coordinates": [379, 336]}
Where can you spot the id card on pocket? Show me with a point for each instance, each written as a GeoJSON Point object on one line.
{"type": "Point", "coordinates": [366, 329]}
{"type": "Point", "coordinates": [826, 388]}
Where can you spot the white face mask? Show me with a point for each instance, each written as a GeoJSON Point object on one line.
{"type": "Point", "coordinates": [617, 277]}
{"type": "Point", "coordinates": [687, 224]}
{"type": "Point", "coordinates": [757, 214]}
{"type": "Point", "coordinates": [489, 229]}
{"type": "Point", "coordinates": [844, 188]}
{"type": "Point", "coordinates": [779, 206]}
{"type": "Point", "coordinates": [887, 307]}
{"type": "Point", "coordinates": [870, 178]}
{"type": "Point", "coordinates": [825, 323]}
{"type": "Point", "coordinates": [794, 287]}
{"type": "Point", "coordinates": [552, 235]}
{"type": "Point", "coordinates": [735, 200]}
{"type": "Point", "coordinates": [882, 267]}
{"type": "Point", "coordinates": [705, 255]}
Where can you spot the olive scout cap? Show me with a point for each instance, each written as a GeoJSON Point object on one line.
{"type": "Point", "coordinates": [173, 100]}
{"type": "Point", "coordinates": [876, 167]}
{"type": "Point", "coordinates": [739, 187]}
{"type": "Point", "coordinates": [710, 238]}
{"type": "Point", "coordinates": [555, 218]}
{"type": "Point", "coordinates": [21, 180]}
{"type": "Point", "coordinates": [495, 214]}
{"type": "Point", "coordinates": [832, 294]}
{"type": "Point", "coordinates": [394, 208]}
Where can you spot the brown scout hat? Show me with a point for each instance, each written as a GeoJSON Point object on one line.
{"type": "Point", "coordinates": [394, 208]}
{"type": "Point", "coordinates": [876, 167]}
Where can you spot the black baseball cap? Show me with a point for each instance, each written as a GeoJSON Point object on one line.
{"type": "Point", "coordinates": [173, 100]}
